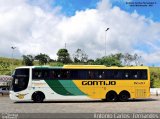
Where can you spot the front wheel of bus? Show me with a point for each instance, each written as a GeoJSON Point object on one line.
{"type": "Point", "coordinates": [111, 96]}
{"type": "Point", "coordinates": [38, 97]}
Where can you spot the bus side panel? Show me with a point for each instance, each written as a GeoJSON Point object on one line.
{"type": "Point", "coordinates": [136, 88]}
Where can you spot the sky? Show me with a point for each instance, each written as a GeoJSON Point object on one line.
{"type": "Point", "coordinates": [45, 26]}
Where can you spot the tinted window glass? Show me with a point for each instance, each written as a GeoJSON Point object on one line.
{"type": "Point", "coordinates": [78, 74]}
{"type": "Point", "coordinates": [96, 74]}
{"type": "Point", "coordinates": [60, 74]}
{"type": "Point", "coordinates": [36, 73]}
{"type": "Point", "coordinates": [74, 74]}
{"type": "Point", "coordinates": [57, 74]}
{"type": "Point", "coordinates": [82, 74]}
{"type": "Point", "coordinates": [126, 74]}
{"type": "Point", "coordinates": [40, 73]}
{"type": "Point", "coordinates": [109, 74]}
{"type": "Point", "coordinates": [89, 74]}
{"type": "Point", "coordinates": [20, 80]}
{"type": "Point", "coordinates": [66, 74]}
{"type": "Point", "coordinates": [22, 72]}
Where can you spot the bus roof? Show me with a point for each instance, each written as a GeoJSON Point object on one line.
{"type": "Point", "coordinates": [86, 67]}
{"type": "Point", "coordinates": [102, 67]}
{"type": "Point", "coordinates": [23, 67]}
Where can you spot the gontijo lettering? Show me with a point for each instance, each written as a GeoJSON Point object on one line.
{"type": "Point", "coordinates": [98, 83]}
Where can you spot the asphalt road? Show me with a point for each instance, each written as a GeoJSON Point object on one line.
{"type": "Point", "coordinates": [151, 105]}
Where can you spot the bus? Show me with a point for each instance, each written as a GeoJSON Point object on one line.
{"type": "Point", "coordinates": [80, 82]}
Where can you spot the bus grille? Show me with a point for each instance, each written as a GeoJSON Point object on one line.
{"type": "Point", "coordinates": [140, 93]}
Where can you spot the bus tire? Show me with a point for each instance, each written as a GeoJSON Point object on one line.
{"type": "Point", "coordinates": [111, 96]}
{"type": "Point", "coordinates": [38, 97]}
{"type": "Point", "coordinates": [124, 96]}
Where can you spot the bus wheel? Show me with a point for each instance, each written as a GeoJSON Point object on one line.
{"type": "Point", "coordinates": [38, 97]}
{"type": "Point", "coordinates": [111, 96]}
{"type": "Point", "coordinates": [124, 96]}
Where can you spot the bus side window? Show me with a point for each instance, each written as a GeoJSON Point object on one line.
{"type": "Point", "coordinates": [45, 74]}
{"type": "Point", "coordinates": [143, 74]}
{"type": "Point", "coordinates": [100, 74]}
{"type": "Point", "coordinates": [74, 74]}
{"type": "Point", "coordinates": [103, 74]}
{"type": "Point", "coordinates": [68, 74]}
{"type": "Point", "coordinates": [55, 74]}
{"type": "Point", "coordinates": [36, 73]}
{"type": "Point", "coordinates": [135, 74]}
{"type": "Point", "coordinates": [82, 74]}
{"type": "Point", "coordinates": [65, 74]}
{"type": "Point", "coordinates": [52, 74]}
{"type": "Point", "coordinates": [118, 74]}
{"type": "Point", "coordinates": [127, 74]}
{"type": "Point", "coordinates": [97, 75]}
{"type": "Point", "coordinates": [91, 74]}
{"type": "Point", "coordinates": [58, 74]}
{"type": "Point", "coordinates": [109, 74]}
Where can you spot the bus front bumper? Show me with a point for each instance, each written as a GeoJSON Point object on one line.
{"type": "Point", "coordinates": [19, 96]}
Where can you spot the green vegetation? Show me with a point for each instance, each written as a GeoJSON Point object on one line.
{"type": "Point", "coordinates": [155, 77]}
{"type": "Point", "coordinates": [28, 60]}
{"type": "Point", "coordinates": [42, 58]}
{"type": "Point", "coordinates": [63, 56]}
{"type": "Point", "coordinates": [79, 58]}
{"type": "Point", "coordinates": [108, 61]}
{"type": "Point", "coordinates": [6, 64]}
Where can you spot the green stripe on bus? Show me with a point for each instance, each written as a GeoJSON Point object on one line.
{"type": "Point", "coordinates": [71, 87]}
{"type": "Point", "coordinates": [57, 87]}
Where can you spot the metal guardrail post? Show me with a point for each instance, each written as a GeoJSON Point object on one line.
{"type": "Point", "coordinates": [156, 93]}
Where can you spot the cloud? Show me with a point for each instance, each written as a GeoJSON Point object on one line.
{"type": "Point", "coordinates": [33, 29]}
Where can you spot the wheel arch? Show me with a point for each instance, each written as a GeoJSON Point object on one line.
{"type": "Point", "coordinates": [111, 91]}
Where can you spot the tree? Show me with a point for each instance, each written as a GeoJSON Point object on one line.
{"type": "Point", "coordinates": [28, 60]}
{"type": "Point", "coordinates": [128, 58]}
{"type": "Point", "coordinates": [137, 59]}
{"type": "Point", "coordinates": [131, 59]}
{"type": "Point", "coordinates": [42, 58]}
{"type": "Point", "coordinates": [108, 61]}
{"type": "Point", "coordinates": [63, 56]}
{"type": "Point", "coordinates": [90, 62]}
{"type": "Point", "coordinates": [80, 56]}
{"type": "Point", "coordinates": [52, 60]}
{"type": "Point", "coordinates": [118, 56]}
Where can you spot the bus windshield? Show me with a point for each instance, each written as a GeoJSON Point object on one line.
{"type": "Point", "coordinates": [20, 79]}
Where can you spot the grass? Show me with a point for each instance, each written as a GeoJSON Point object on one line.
{"type": "Point", "coordinates": [6, 64]}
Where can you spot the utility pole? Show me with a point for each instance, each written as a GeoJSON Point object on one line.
{"type": "Point", "coordinates": [105, 40]}
{"type": "Point", "coordinates": [12, 58]}
{"type": "Point", "coordinates": [65, 46]}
